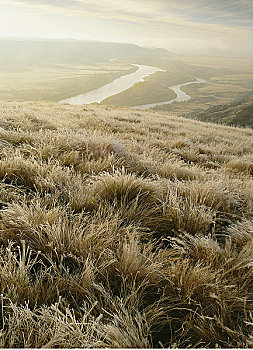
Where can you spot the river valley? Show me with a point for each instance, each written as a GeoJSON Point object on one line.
{"type": "Point", "coordinates": [115, 87]}
{"type": "Point", "coordinates": [127, 81]}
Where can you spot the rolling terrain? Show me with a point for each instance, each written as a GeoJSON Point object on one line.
{"type": "Point", "coordinates": [228, 80]}
{"type": "Point", "coordinates": [239, 112]}
{"type": "Point", "coordinates": [123, 229]}
{"type": "Point", "coordinates": [55, 70]}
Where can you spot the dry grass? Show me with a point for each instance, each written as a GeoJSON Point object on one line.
{"type": "Point", "coordinates": [123, 229]}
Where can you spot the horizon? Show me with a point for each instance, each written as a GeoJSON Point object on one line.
{"type": "Point", "coordinates": [191, 27]}
{"type": "Point", "coordinates": [222, 54]}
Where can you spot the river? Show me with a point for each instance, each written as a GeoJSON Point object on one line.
{"type": "Point", "coordinates": [181, 95]}
{"type": "Point", "coordinates": [115, 87]}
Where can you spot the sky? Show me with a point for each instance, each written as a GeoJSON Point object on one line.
{"type": "Point", "coordinates": [187, 26]}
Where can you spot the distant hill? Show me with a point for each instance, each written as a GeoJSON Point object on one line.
{"type": "Point", "coordinates": [34, 52]}
{"type": "Point", "coordinates": [238, 113]}
{"type": "Point", "coordinates": [57, 69]}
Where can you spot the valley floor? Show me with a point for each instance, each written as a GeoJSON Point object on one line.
{"type": "Point", "coordinates": [122, 228]}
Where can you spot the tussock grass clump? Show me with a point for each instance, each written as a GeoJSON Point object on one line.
{"type": "Point", "coordinates": [121, 186]}
{"type": "Point", "coordinates": [123, 230]}
{"type": "Point", "coordinates": [241, 165]}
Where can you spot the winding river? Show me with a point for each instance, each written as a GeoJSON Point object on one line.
{"type": "Point", "coordinates": [115, 87]}
{"type": "Point", "coordinates": [127, 81]}
{"type": "Point", "coordinates": [181, 95]}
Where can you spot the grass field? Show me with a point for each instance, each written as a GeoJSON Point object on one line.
{"type": "Point", "coordinates": [121, 229]}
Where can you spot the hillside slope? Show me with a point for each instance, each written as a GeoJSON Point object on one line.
{"type": "Point", "coordinates": [123, 229]}
{"type": "Point", "coordinates": [238, 113]}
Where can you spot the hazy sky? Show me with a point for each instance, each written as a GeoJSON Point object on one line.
{"type": "Point", "coordinates": [178, 25]}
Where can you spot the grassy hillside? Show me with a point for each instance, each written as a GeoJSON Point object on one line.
{"type": "Point", "coordinates": [239, 112]}
{"type": "Point", "coordinates": [121, 228]}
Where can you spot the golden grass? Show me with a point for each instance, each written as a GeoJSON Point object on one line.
{"type": "Point", "coordinates": [123, 229]}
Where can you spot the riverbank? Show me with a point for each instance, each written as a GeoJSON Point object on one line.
{"type": "Point", "coordinates": [181, 95]}
{"type": "Point", "coordinates": [115, 87]}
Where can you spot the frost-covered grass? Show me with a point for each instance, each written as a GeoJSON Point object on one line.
{"type": "Point", "coordinates": [121, 228]}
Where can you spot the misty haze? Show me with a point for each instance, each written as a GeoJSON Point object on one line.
{"type": "Point", "coordinates": [126, 174]}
